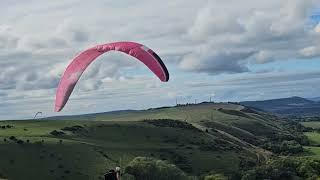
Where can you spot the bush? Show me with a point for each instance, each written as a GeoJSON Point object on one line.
{"type": "Point", "coordinates": [171, 123]}
{"type": "Point", "coordinates": [73, 129]}
{"type": "Point", "coordinates": [9, 126]}
{"type": "Point", "coordinates": [291, 147]}
{"type": "Point", "coordinates": [13, 138]}
{"type": "Point", "coordinates": [144, 168]}
{"type": "Point", "coordinates": [216, 177]}
{"type": "Point", "coordinates": [284, 147]}
{"type": "Point", "coordinates": [57, 133]}
{"type": "Point", "coordinates": [20, 141]}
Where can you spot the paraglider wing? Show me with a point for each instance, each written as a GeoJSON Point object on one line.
{"type": "Point", "coordinates": [37, 114]}
{"type": "Point", "coordinates": [83, 60]}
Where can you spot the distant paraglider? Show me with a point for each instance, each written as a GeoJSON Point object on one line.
{"type": "Point", "coordinates": [83, 60]}
{"type": "Point", "coordinates": [38, 113]}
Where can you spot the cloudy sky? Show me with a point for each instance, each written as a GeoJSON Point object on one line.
{"type": "Point", "coordinates": [230, 50]}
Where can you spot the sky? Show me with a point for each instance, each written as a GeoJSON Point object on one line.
{"type": "Point", "coordinates": [227, 50]}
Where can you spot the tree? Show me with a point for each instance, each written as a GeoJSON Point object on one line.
{"type": "Point", "coordinates": [285, 168]}
{"type": "Point", "coordinates": [216, 177]}
{"type": "Point", "coordinates": [144, 168]}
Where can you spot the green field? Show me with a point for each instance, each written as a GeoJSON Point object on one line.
{"type": "Point", "coordinates": [312, 152]}
{"type": "Point", "coordinates": [312, 124]}
{"type": "Point", "coordinates": [314, 138]}
{"type": "Point", "coordinates": [206, 139]}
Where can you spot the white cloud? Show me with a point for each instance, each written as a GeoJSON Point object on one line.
{"type": "Point", "coordinates": [39, 38]}
{"type": "Point", "coordinates": [317, 28]}
{"type": "Point", "coordinates": [264, 57]}
{"type": "Point", "coordinates": [216, 62]}
{"type": "Point", "coordinates": [272, 30]}
{"type": "Point", "coordinates": [311, 51]}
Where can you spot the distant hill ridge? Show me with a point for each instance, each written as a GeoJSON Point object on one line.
{"type": "Point", "coordinates": [291, 106]}
{"type": "Point", "coordinates": [295, 105]}
{"type": "Point", "coordinates": [315, 99]}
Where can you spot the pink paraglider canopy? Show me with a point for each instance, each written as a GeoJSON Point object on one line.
{"type": "Point", "coordinates": [82, 61]}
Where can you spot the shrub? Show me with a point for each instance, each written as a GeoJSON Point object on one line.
{"type": "Point", "coordinates": [216, 177]}
{"type": "Point", "coordinates": [171, 123]}
{"type": "Point", "coordinates": [13, 138]}
{"type": "Point", "coordinates": [284, 147]}
{"type": "Point", "coordinates": [73, 129]}
{"type": "Point", "coordinates": [144, 168]}
{"type": "Point", "coordinates": [9, 126]}
{"type": "Point", "coordinates": [57, 133]}
{"type": "Point", "coordinates": [20, 141]}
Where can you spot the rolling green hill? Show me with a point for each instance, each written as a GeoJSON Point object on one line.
{"type": "Point", "coordinates": [199, 139]}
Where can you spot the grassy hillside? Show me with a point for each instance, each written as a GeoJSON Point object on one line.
{"type": "Point", "coordinates": [90, 151]}
{"type": "Point", "coordinates": [219, 138]}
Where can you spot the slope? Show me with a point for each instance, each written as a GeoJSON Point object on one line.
{"type": "Point", "coordinates": [223, 138]}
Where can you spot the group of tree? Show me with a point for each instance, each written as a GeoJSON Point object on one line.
{"type": "Point", "coordinates": [284, 147]}
{"type": "Point", "coordinates": [285, 168]}
{"type": "Point", "coordinates": [6, 126]}
{"type": "Point", "coordinates": [144, 168]}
